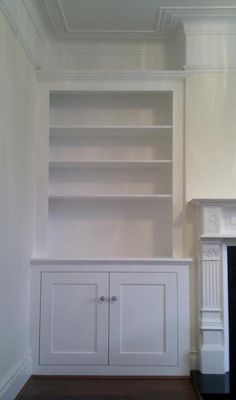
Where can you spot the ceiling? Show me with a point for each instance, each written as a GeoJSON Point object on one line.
{"type": "Point", "coordinates": [112, 19]}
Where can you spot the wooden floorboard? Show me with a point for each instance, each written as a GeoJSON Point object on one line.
{"type": "Point", "coordinates": [64, 388]}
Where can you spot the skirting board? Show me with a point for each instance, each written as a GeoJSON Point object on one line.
{"type": "Point", "coordinates": [194, 364]}
{"type": "Point", "coordinates": [13, 382]}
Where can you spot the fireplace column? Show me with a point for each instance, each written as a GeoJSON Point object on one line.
{"type": "Point", "coordinates": [211, 354]}
{"type": "Point", "coordinates": [217, 225]}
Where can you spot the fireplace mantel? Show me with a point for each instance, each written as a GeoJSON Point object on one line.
{"type": "Point", "coordinates": [216, 230]}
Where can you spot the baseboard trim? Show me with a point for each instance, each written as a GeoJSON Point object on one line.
{"type": "Point", "coordinates": [12, 383]}
{"type": "Point", "coordinates": [194, 364]}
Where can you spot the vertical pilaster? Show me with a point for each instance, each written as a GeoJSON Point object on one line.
{"type": "Point", "coordinates": [212, 358]}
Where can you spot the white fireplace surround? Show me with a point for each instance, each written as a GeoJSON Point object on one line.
{"type": "Point", "coordinates": [216, 231]}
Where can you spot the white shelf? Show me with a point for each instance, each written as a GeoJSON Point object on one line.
{"type": "Point", "coordinates": [166, 261]}
{"type": "Point", "coordinates": [107, 127]}
{"type": "Point", "coordinates": [110, 163]}
{"type": "Point", "coordinates": [112, 197]}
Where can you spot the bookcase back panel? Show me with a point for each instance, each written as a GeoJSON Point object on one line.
{"type": "Point", "coordinates": [111, 180]}
{"type": "Point", "coordinates": [91, 109]}
{"type": "Point", "coordinates": [105, 228]}
{"type": "Point", "coordinates": [73, 146]}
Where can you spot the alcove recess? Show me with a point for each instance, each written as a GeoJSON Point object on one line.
{"type": "Point", "coordinates": [110, 175]}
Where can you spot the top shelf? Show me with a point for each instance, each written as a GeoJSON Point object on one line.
{"type": "Point", "coordinates": [110, 127]}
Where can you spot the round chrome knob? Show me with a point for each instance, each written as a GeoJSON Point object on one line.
{"type": "Point", "coordinates": [102, 298]}
{"type": "Point", "coordinates": [114, 298]}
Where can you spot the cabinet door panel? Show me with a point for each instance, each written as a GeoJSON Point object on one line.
{"type": "Point", "coordinates": [143, 319]}
{"type": "Point", "coordinates": [74, 321]}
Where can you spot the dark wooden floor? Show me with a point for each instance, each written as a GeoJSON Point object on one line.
{"type": "Point", "coordinates": [81, 388]}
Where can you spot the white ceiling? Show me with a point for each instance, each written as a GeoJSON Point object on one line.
{"type": "Point", "coordinates": [112, 19]}
{"type": "Point", "coordinates": [103, 18]}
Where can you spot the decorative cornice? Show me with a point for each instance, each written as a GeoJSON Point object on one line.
{"type": "Point", "coordinates": [36, 19]}
{"type": "Point", "coordinates": [205, 20]}
{"type": "Point", "coordinates": [23, 18]}
{"type": "Point", "coordinates": [202, 12]}
{"type": "Point", "coordinates": [24, 28]}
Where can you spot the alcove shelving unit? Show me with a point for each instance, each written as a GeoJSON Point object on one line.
{"type": "Point", "coordinates": [109, 281]}
{"type": "Point", "coordinates": [110, 175]}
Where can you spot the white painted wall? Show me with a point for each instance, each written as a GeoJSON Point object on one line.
{"type": "Point", "coordinates": [17, 101]}
{"type": "Point", "coordinates": [118, 55]}
{"type": "Point", "coordinates": [211, 135]}
{"type": "Point", "coordinates": [210, 156]}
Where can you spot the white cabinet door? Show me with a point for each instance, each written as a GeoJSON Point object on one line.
{"type": "Point", "coordinates": [143, 319]}
{"type": "Point", "coordinates": [74, 318]}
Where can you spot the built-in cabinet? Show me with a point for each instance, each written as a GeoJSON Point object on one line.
{"type": "Point", "coordinates": [109, 282]}
{"type": "Point", "coordinates": [108, 318]}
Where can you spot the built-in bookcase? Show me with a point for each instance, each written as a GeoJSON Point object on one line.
{"type": "Point", "coordinates": [109, 225]}
{"type": "Point", "coordinates": [110, 175]}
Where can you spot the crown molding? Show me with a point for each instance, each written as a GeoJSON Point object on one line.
{"type": "Point", "coordinates": [55, 16]}
{"type": "Point", "coordinates": [197, 21]}
{"type": "Point", "coordinates": [210, 34]}
{"type": "Point", "coordinates": [25, 31]}
{"type": "Point", "coordinates": [205, 20]}
{"type": "Point", "coordinates": [201, 12]}
{"type": "Point", "coordinates": [37, 22]}
{"type": "Point", "coordinates": [148, 75]}
{"type": "Point", "coordinates": [163, 25]}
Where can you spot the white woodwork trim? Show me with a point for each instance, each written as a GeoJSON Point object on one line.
{"type": "Point", "coordinates": [41, 171]}
{"type": "Point", "coordinates": [206, 13]}
{"type": "Point", "coordinates": [178, 207]}
{"type": "Point", "coordinates": [145, 76]}
{"type": "Point", "coordinates": [194, 363]}
{"type": "Point", "coordinates": [108, 261]}
{"type": "Point", "coordinates": [12, 383]}
{"type": "Point", "coordinates": [51, 75]}
{"type": "Point", "coordinates": [201, 12]}
{"type": "Point", "coordinates": [193, 69]}
{"type": "Point", "coordinates": [38, 23]}
{"type": "Point", "coordinates": [210, 35]}
{"type": "Point", "coordinates": [110, 370]}
{"type": "Point", "coordinates": [209, 202]}
{"type": "Point", "coordinates": [23, 25]}
{"type": "Point", "coordinates": [217, 229]}
{"type": "Point", "coordinates": [202, 25]}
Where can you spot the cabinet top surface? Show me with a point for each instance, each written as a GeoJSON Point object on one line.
{"type": "Point", "coordinates": [107, 261]}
